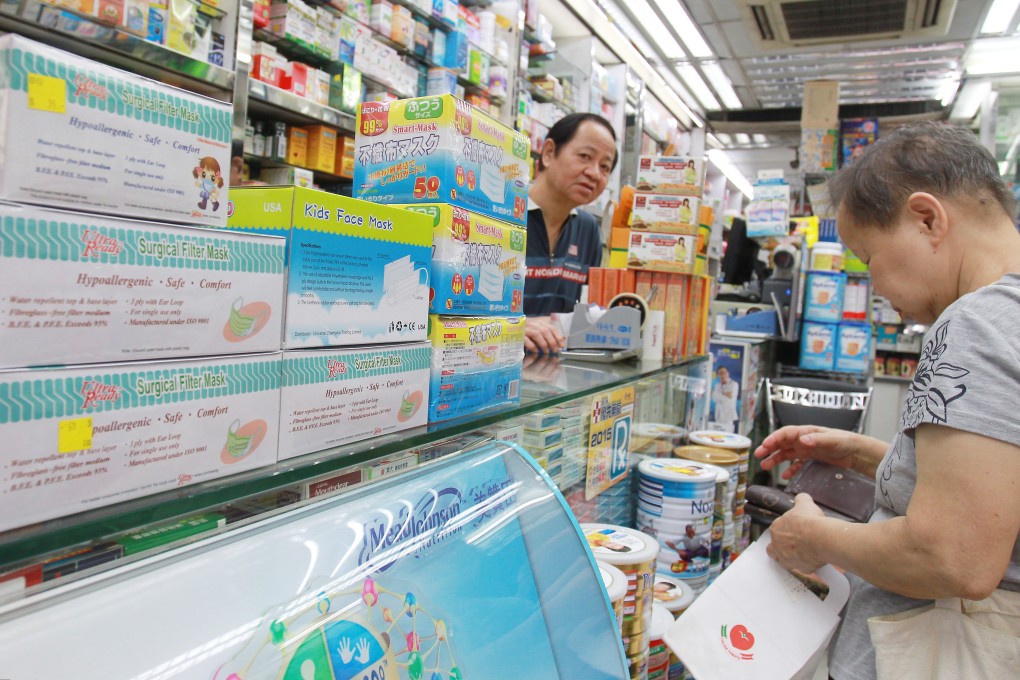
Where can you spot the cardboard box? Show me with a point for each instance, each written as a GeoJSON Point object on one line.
{"type": "Point", "coordinates": [665, 213]}
{"type": "Point", "coordinates": [88, 288]}
{"type": "Point", "coordinates": [332, 397]}
{"type": "Point", "coordinates": [105, 140]}
{"type": "Point", "coordinates": [321, 154]}
{"type": "Point", "coordinates": [297, 146]}
{"type": "Point", "coordinates": [300, 177]}
{"type": "Point", "coordinates": [357, 271]}
{"type": "Point", "coordinates": [441, 149]}
{"type": "Point", "coordinates": [84, 437]}
{"type": "Point", "coordinates": [823, 296]}
{"type": "Point", "coordinates": [344, 164]}
{"type": "Point", "coordinates": [818, 346]}
{"type": "Point", "coordinates": [476, 364]}
{"type": "Point", "coordinates": [678, 175]}
{"type": "Point", "coordinates": [673, 253]}
{"type": "Point", "coordinates": [477, 262]}
{"type": "Point", "coordinates": [853, 348]}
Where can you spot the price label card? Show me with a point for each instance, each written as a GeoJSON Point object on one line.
{"type": "Point", "coordinates": [74, 435]}
{"type": "Point", "coordinates": [46, 93]}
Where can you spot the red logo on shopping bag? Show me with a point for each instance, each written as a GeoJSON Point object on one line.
{"type": "Point", "coordinates": [738, 642]}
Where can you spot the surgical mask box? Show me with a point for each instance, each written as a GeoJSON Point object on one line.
{"type": "Point", "coordinates": [332, 397]}
{"type": "Point", "coordinates": [476, 364]}
{"type": "Point", "coordinates": [678, 175]}
{"type": "Point", "coordinates": [89, 288]}
{"type": "Point", "coordinates": [83, 437]}
{"type": "Point", "coordinates": [477, 262]}
{"type": "Point", "coordinates": [441, 150]}
{"type": "Point", "coordinates": [818, 346]}
{"type": "Point", "coordinates": [823, 296]}
{"type": "Point", "coordinates": [673, 253]}
{"type": "Point", "coordinates": [357, 272]}
{"type": "Point", "coordinates": [853, 348]}
{"type": "Point", "coordinates": [80, 135]}
{"type": "Point", "coordinates": [665, 213]}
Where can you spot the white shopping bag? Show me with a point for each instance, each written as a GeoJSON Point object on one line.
{"type": "Point", "coordinates": [758, 621]}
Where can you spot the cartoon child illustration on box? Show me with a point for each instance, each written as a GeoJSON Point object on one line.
{"type": "Point", "coordinates": [209, 181]}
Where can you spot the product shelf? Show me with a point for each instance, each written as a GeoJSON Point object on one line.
{"type": "Point", "coordinates": [124, 50]}
{"type": "Point", "coordinates": [547, 382]}
{"type": "Point", "coordinates": [270, 101]}
{"type": "Point", "coordinates": [430, 19]}
{"type": "Point", "coordinates": [265, 162]}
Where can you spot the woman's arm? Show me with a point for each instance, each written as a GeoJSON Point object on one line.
{"type": "Point", "coordinates": [837, 447]}
{"type": "Point", "coordinates": [957, 536]}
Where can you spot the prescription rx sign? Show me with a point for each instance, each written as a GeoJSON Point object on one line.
{"type": "Point", "coordinates": [609, 442]}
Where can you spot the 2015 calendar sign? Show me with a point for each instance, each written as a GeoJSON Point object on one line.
{"type": "Point", "coordinates": [609, 441]}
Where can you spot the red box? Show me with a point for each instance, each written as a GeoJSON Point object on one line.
{"type": "Point", "coordinates": [295, 78]}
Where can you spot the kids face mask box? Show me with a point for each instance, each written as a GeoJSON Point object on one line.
{"type": "Point", "coordinates": [357, 271]}
{"type": "Point", "coordinates": [88, 436]}
{"type": "Point", "coordinates": [81, 135]}
{"type": "Point", "coordinates": [477, 262]}
{"type": "Point", "coordinates": [476, 363]}
{"type": "Point", "coordinates": [441, 149]}
{"type": "Point", "coordinates": [88, 288]}
{"type": "Point", "coordinates": [337, 396]}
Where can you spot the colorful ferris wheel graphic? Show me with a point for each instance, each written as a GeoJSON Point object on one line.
{"type": "Point", "coordinates": [367, 634]}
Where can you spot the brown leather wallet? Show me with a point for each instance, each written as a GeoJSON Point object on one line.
{"type": "Point", "coordinates": [840, 493]}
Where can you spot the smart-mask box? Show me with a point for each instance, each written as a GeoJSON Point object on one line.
{"type": "Point", "coordinates": [441, 149]}
{"type": "Point", "coordinates": [84, 136]}
{"type": "Point", "coordinates": [89, 288]}
{"type": "Point", "coordinates": [357, 271]}
{"type": "Point", "coordinates": [476, 363]}
{"type": "Point", "coordinates": [89, 436]}
{"type": "Point", "coordinates": [337, 396]}
{"type": "Point", "coordinates": [477, 262]}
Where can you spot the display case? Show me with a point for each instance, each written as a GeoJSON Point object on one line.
{"type": "Point", "coordinates": [39, 556]}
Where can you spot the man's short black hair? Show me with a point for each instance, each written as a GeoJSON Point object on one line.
{"type": "Point", "coordinates": [565, 129]}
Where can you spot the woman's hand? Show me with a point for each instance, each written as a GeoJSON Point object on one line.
{"type": "Point", "coordinates": [790, 545]}
{"type": "Point", "coordinates": [800, 443]}
{"type": "Point", "coordinates": [542, 335]}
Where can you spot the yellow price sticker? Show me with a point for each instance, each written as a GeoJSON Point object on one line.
{"type": "Point", "coordinates": [74, 435]}
{"type": "Point", "coordinates": [46, 93]}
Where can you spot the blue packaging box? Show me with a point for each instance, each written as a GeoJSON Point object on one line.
{"type": "Point", "coordinates": [823, 296]}
{"type": "Point", "coordinates": [818, 346]}
{"type": "Point", "coordinates": [853, 347]}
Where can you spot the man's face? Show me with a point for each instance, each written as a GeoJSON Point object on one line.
{"type": "Point", "coordinates": [690, 531]}
{"type": "Point", "coordinates": [724, 375]}
{"type": "Point", "coordinates": [582, 166]}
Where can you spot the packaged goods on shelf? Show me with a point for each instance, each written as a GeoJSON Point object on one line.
{"type": "Point", "coordinates": [321, 151]}
{"type": "Point", "coordinates": [541, 420]}
{"type": "Point", "coordinates": [441, 149]}
{"type": "Point", "coordinates": [82, 437]}
{"type": "Point", "coordinates": [539, 443]}
{"type": "Point", "coordinates": [345, 83]}
{"type": "Point", "coordinates": [824, 292]}
{"type": "Point", "coordinates": [674, 253]}
{"type": "Point", "coordinates": [344, 163]}
{"type": "Point", "coordinates": [380, 17]}
{"type": "Point", "coordinates": [337, 396]}
{"type": "Point", "coordinates": [477, 262]}
{"type": "Point", "coordinates": [441, 81]}
{"type": "Point", "coordinates": [297, 146]}
{"type": "Point", "coordinates": [853, 348]}
{"type": "Point", "coordinates": [818, 346]}
{"type": "Point", "coordinates": [476, 364]}
{"type": "Point", "coordinates": [147, 538]}
{"type": "Point", "coordinates": [357, 271]}
{"type": "Point", "coordinates": [292, 176]}
{"type": "Point", "coordinates": [678, 175]}
{"type": "Point", "coordinates": [665, 213]}
{"type": "Point", "coordinates": [89, 288]}
{"type": "Point", "coordinates": [109, 141]}
{"type": "Point", "coordinates": [383, 63]}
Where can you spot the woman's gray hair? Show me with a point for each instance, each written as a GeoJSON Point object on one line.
{"type": "Point", "coordinates": [939, 159]}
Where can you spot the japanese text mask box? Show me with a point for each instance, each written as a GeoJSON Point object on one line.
{"type": "Point", "coordinates": [477, 262]}
{"type": "Point", "coordinates": [89, 288]}
{"type": "Point", "coordinates": [81, 135]}
{"type": "Point", "coordinates": [357, 271]}
{"type": "Point", "coordinates": [88, 436]}
{"type": "Point", "coordinates": [441, 149]}
{"type": "Point", "coordinates": [476, 363]}
{"type": "Point", "coordinates": [337, 396]}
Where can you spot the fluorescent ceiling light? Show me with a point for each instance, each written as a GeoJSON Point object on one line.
{"type": "Point", "coordinates": [698, 87]}
{"type": "Point", "coordinates": [990, 56]}
{"type": "Point", "coordinates": [719, 80]}
{"type": "Point", "coordinates": [760, 139]}
{"type": "Point", "coordinates": [685, 28]}
{"type": "Point", "coordinates": [969, 100]}
{"type": "Point", "coordinates": [743, 138]}
{"type": "Point", "coordinates": [722, 161]}
{"type": "Point", "coordinates": [653, 28]}
{"type": "Point", "coordinates": [999, 16]}
{"type": "Point", "coordinates": [948, 90]}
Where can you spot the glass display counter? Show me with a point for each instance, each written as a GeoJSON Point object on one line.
{"type": "Point", "coordinates": [668, 400]}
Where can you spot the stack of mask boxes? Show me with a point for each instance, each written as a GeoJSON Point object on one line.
{"type": "Point", "coordinates": [356, 364]}
{"type": "Point", "coordinates": [467, 175]}
{"type": "Point", "coordinates": [135, 356]}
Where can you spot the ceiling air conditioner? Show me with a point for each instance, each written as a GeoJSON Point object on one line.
{"type": "Point", "coordinates": [785, 23]}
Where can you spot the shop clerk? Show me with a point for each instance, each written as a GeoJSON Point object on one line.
{"type": "Point", "coordinates": [577, 158]}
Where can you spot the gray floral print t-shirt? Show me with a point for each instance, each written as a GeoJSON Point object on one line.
{"type": "Point", "coordinates": [968, 378]}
